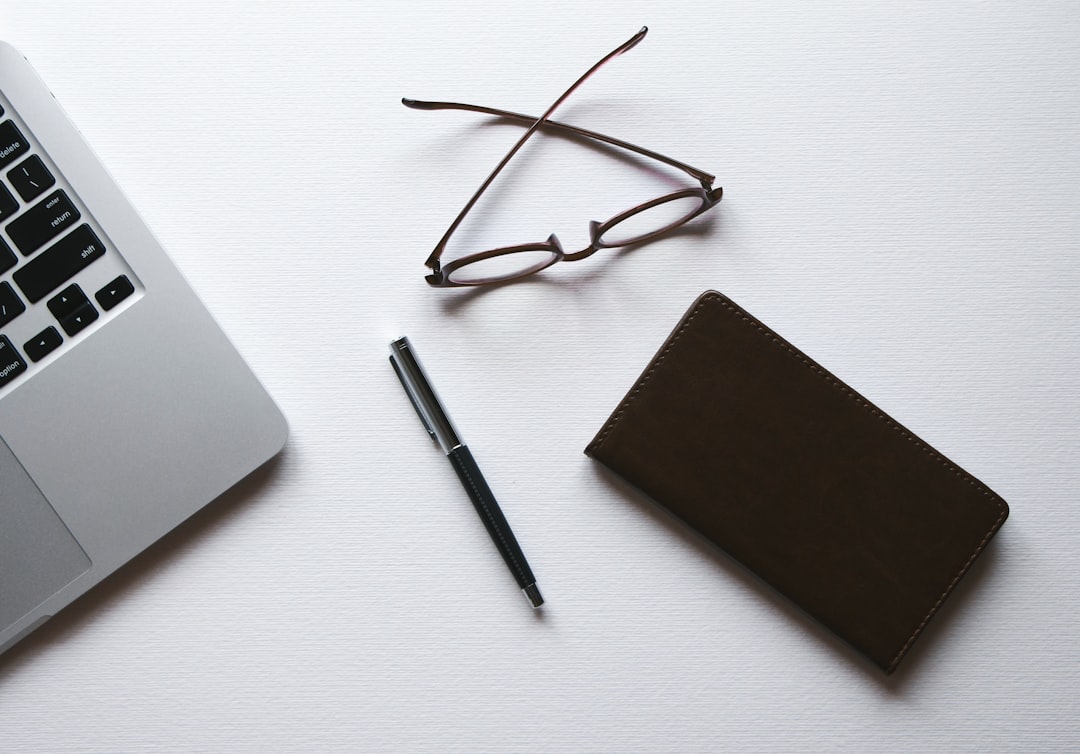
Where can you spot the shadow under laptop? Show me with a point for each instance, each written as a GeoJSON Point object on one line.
{"type": "Point", "coordinates": [939, 632]}
{"type": "Point", "coordinates": [229, 505]}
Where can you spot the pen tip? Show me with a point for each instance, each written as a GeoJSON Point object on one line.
{"type": "Point", "coordinates": [532, 594]}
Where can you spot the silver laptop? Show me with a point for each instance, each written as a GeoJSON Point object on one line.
{"type": "Point", "coordinates": [123, 407]}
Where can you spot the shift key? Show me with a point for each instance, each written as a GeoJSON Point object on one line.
{"type": "Point", "coordinates": [59, 263]}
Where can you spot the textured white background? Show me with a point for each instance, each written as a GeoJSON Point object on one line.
{"type": "Point", "coordinates": [902, 188]}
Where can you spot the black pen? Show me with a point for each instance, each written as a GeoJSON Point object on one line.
{"type": "Point", "coordinates": [438, 425]}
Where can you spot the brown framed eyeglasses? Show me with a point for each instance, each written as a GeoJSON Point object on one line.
{"type": "Point", "coordinates": [638, 224]}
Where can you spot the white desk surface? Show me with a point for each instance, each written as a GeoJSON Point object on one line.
{"type": "Point", "coordinates": [902, 184]}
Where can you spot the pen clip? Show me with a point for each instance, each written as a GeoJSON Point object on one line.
{"type": "Point", "coordinates": [412, 399]}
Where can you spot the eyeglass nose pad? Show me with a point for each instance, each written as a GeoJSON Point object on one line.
{"type": "Point", "coordinates": [594, 231]}
{"type": "Point", "coordinates": [554, 241]}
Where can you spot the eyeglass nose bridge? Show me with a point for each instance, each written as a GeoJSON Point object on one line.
{"type": "Point", "coordinates": [588, 251]}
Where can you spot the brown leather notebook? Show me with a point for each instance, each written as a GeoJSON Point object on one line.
{"type": "Point", "coordinates": [799, 478]}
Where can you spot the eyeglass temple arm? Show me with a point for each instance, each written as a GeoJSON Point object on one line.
{"type": "Point", "coordinates": [701, 175]}
{"type": "Point", "coordinates": [433, 260]}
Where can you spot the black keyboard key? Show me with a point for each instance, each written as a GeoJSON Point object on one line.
{"type": "Point", "coordinates": [43, 222]}
{"type": "Point", "coordinates": [8, 205]}
{"type": "Point", "coordinates": [115, 292]}
{"type": "Point", "coordinates": [58, 264]}
{"type": "Point", "coordinates": [67, 301]}
{"type": "Point", "coordinates": [42, 344]}
{"type": "Point", "coordinates": [11, 306]}
{"type": "Point", "coordinates": [79, 318]}
{"type": "Point", "coordinates": [11, 363]}
{"type": "Point", "coordinates": [12, 143]}
{"type": "Point", "coordinates": [31, 178]}
{"type": "Point", "coordinates": [7, 257]}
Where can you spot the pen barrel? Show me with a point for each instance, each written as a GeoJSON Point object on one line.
{"type": "Point", "coordinates": [488, 509]}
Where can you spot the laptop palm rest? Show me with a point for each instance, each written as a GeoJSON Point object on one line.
{"type": "Point", "coordinates": [38, 555]}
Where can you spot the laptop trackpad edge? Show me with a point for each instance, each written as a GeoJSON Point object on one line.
{"type": "Point", "coordinates": [38, 555]}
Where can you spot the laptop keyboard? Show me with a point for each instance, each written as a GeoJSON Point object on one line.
{"type": "Point", "coordinates": [59, 277]}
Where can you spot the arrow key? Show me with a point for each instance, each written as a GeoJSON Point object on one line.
{"type": "Point", "coordinates": [79, 319]}
{"type": "Point", "coordinates": [67, 301]}
{"type": "Point", "coordinates": [42, 344]}
{"type": "Point", "coordinates": [115, 292]}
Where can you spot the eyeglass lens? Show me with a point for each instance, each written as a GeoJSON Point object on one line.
{"type": "Point", "coordinates": [506, 266]}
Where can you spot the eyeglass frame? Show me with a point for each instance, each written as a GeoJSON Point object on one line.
{"type": "Point", "coordinates": [709, 196]}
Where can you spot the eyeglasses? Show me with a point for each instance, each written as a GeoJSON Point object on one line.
{"type": "Point", "coordinates": [636, 225]}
